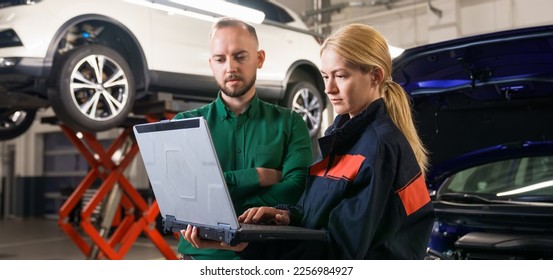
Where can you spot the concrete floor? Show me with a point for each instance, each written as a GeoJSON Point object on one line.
{"type": "Point", "coordinates": [42, 239]}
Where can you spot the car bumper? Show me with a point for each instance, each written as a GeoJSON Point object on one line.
{"type": "Point", "coordinates": [21, 83]}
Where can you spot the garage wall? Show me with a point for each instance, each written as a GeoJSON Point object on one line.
{"type": "Point", "coordinates": [409, 23]}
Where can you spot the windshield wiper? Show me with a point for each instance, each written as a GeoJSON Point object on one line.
{"type": "Point", "coordinates": [467, 197]}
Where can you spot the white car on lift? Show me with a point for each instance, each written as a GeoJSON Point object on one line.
{"type": "Point", "coordinates": [92, 59]}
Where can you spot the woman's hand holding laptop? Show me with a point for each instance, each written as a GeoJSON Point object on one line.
{"type": "Point", "coordinates": [191, 235]}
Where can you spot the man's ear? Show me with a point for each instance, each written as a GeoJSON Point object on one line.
{"type": "Point", "coordinates": [260, 58]}
{"type": "Point", "coordinates": [209, 62]}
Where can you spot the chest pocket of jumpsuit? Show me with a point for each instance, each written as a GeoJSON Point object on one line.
{"type": "Point", "coordinates": [269, 156]}
{"type": "Point", "coordinates": [323, 195]}
{"type": "Point", "coordinates": [329, 184]}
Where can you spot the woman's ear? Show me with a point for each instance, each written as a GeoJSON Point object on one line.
{"type": "Point", "coordinates": [378, 75]}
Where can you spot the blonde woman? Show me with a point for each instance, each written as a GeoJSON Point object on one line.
{"type": "Point", "coordinates": [368, 189]}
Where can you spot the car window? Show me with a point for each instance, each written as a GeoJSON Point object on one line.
{"type": "Point", "coordinates": [272, 12]}
{"type": "Point", "coordinates": [529, 176]}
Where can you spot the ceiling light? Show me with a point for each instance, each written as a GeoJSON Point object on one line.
{"type": "Point", "coordinates": [224, 8]}
{"type": "Point", "coordinates": [171, 10]}
{"type": "Point", "coordinates": [208, 10]}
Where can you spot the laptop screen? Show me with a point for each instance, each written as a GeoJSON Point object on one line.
{"type": "Point", "coordinates": [184, 172]}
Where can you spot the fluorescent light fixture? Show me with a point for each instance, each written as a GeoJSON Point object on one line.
{"type": "Point", "coordinates": [395, 51]}
{"type": "Point", "coordinates": [224, 8]}
{"type": "Point", "coordinates": [542, 185]}
{"type": "Point", "coordinates": [172, 11]}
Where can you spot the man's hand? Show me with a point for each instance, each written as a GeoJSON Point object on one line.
{"type": "Point", "coordinates": [269, 215]}
{"type": "Point", "coordinates": [268, 176]}
{"type": "Point", "coordinates": [191, 235]}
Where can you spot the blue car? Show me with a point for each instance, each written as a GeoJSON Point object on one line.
{"type": "Point", "coordinates": [484, 109]}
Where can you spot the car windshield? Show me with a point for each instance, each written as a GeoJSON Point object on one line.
{"type": "Point", "coordinates": [513, 179]}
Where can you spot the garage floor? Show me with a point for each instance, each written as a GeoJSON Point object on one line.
{"type": "Point", "coordinates": [42, 239]}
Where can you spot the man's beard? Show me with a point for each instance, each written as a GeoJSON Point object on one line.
{"type": "Point", "coordinates": [240, 91]}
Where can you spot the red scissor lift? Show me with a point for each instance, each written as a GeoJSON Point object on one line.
{"type": "Point", "coordinates": [126, 214]}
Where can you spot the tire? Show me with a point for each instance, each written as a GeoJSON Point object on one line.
{"type": "Point", "coordinates": [307, 100]}
{"type": "Point", "coordinates": [15, 123]}
{"type": "Point", "coordinates": [95, 89]}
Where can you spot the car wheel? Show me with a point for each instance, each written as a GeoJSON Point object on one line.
{"type": "Point", "coordinates": [95, 89]}
{"type": "Point", "coordinates": [15, 123]}
{"type": "Point", "coordinates": [305, 99]}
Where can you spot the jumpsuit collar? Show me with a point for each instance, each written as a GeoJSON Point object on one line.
{"type": "Point", "coordinates": [345, 128]}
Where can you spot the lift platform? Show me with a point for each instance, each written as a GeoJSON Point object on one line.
{"type": "Point", "coordinates": [125, 214]}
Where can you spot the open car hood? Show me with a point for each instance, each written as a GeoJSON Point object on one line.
{"type": "Point", "coordinates": [482, 91]}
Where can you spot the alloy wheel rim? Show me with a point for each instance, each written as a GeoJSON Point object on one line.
{"type": "Point", "coordinates": [309, 107]}
{"type": "Point", "coordinates": [99, 87]}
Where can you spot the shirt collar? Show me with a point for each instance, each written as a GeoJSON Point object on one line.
{"type": "Point", "coordinates": [224, 112]}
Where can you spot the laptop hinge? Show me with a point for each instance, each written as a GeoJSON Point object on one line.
{"type": "Point", "coordinates": [168, 223]}
{"type": "Point", "coordinates": [227, 233]}
{"type": "Point", "coordinates": [223, 225]}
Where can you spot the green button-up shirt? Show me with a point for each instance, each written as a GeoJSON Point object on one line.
{"type": "Point", "coordinates": [265, 135]}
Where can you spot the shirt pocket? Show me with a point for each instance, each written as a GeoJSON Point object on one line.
{"type": "Point", "coordinates": [327, 191]}
{"type": "Point", "coordinates": [269, 156]}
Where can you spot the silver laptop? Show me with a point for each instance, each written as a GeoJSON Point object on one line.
{"type": "Point", "coordinates": [190, 189]}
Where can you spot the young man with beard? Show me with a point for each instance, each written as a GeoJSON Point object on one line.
{"type": "Point", "coordinates": [264, 149]}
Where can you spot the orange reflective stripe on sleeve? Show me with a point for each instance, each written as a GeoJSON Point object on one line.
{"type": "Point", "coordinates": [414, 195]}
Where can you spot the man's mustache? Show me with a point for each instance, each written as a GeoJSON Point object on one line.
{"type": "Point", "coordinates": [232, 77]}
